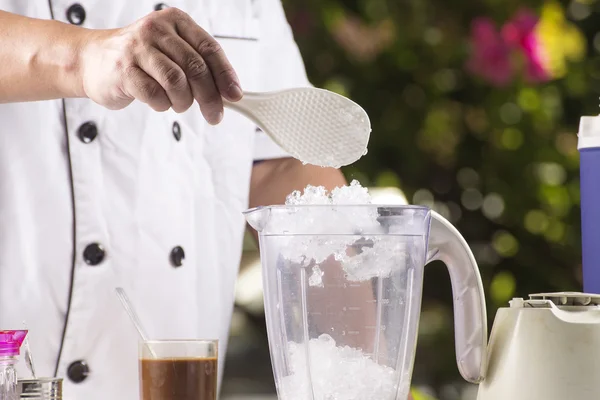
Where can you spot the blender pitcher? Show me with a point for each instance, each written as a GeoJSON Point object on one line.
{"type": "Point", "coordinates": [342, 289]}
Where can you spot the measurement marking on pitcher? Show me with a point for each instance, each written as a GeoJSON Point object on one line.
{"type": "Point", "coordinates": [342, 285]}
{"type": "Point", "coordinates": [306, 336]}
{"type": "Point", "coordinates": [373, 301]}
{"type": "Point", "coordinates": [373, 327]}
{"type": "Point", "coordinates": [378, 324]}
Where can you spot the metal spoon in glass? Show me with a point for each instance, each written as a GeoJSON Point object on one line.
{"type": "Point", "coordinates": [128, 306]}
{"type": "Point", "coordinates": [315, 126]}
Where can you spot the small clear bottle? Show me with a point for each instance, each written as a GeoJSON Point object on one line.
{"type": "Point", "coordinates": [10, 348]}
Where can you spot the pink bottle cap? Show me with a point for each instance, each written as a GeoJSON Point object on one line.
{"type": "Point", "coordinates": [10, 342]}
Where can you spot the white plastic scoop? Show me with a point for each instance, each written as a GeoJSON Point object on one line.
{"type": "Point", "coordinates": [315, 126]}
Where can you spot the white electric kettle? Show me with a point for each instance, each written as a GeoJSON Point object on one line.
{"type": "Point", "coordinates": [545, 348]}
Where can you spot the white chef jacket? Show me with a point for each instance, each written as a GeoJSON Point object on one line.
{"type": "Point", "coordinates": [92, 199]}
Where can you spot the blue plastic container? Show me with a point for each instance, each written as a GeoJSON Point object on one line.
{"type": "Point", "coordinates": [589, 150]}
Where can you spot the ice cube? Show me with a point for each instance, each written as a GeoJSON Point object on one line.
{"type": "Point", "coordinates": [316, 279]}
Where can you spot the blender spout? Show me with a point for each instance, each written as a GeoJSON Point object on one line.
{"type": "Point", "coordinates": [258, 217]}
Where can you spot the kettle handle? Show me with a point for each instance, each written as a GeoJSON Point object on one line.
{"type": "Point", "coordinates": [470, 320]}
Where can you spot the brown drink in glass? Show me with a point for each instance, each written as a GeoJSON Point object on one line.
{"type": "Point", "coordinates": [178, 370]}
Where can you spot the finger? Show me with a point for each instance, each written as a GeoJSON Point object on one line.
{"type": "Point", "coordinates": [139, 85]}
{"type": "Point", "coordinates": [169, 76]}
{"type": "Point", "coordinates": [211, 51]}
{"type": "Point", "coordinates": [198, 75]}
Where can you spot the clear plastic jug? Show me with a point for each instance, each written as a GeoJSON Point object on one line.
{"type": "Point", "coordinates": [342, 288]}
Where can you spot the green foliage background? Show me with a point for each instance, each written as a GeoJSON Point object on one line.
{"type": "Point", "coordinates": [502, 164]}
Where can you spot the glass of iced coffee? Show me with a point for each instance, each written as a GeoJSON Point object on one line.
{"type": "Point", "coordinates": [178, 369]}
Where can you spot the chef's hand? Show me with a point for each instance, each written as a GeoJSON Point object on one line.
{"type": "Point", "coordinates": [165, 60]}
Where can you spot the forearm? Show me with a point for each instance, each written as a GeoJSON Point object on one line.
{"type": "Point", "coordinates": [39, 59]}
{"type": "Point", "coordinates": [273, 180]}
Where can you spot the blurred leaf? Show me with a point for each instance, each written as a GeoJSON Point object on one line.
{"type": "Point", "coordinates": [502, 288]}
{"type": "Point", "coordinates": [505, 244]}
{"type": "Point", "coordinates": [387, 178]}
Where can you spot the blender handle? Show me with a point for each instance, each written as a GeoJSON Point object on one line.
{"type": "Point", "coordinates": [470, 320]}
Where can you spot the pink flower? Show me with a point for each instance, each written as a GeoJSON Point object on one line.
{"type": "Point", "coordinates": [519, 33]}
{"type": "Point", "coordinates": [490, 55]}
